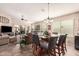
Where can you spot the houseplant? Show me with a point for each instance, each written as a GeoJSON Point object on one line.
{"type": "Point", "coordinates": [22, 43]}
{"type": "Point", "coordinates": [46, 33]}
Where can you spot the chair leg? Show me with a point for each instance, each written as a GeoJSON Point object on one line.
{"type": "Point", "coordinates": [62, 50]}
{"type": "Point", "coordinates": [54, 52]}
{"type": "Point", "coordinates": [39, 51]}
{"type": "Point", "coordinates": [65, 47]}
{"type": "Point", "coordinates": [34, 49]}
{"type": "Point", "coordinates": [59, 51]}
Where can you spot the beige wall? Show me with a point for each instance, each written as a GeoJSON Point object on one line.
{"type": "Point", "coordinates": [70, 23]}
{"type": "Point", "coordinates": [64, 24]}
{"type": "Point", "coordinates": [13, 21]}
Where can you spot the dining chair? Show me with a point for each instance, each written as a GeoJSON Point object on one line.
{"type": "Point", "coordinates": [35, 44]}
{"type": "Point", "coordinates": [29, 36]}
{"type": "Point", "coordinates": [50, 47]}
{"type": "Point", "coordinates": [61, 45]}
{"type": "Point", "coordinates": [65, 42]}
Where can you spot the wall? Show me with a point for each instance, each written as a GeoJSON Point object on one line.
{"type": "Point", "coordinates": [13, 21]}
{"type": "Point", "coordinates": [68, 24]}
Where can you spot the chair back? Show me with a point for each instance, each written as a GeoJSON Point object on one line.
{"type": "Point", "coordinates": [52, 43]}
{"type": "Point", "coordinates": [65, 38]}
{"type": "Point", "coordinates": [62, 39]}
{"type": "Point", "coordinates": [35, 39]}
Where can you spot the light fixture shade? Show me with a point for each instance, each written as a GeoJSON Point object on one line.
{"type": "Point", "coordinates": [49, 18]}
{"type": "Point", "coordinates": [22, 18]}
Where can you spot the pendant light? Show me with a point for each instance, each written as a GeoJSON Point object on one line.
{"type": "Point", "coordinates": [49, 12]}
{"type": "Point", "coordinates": [22, 18]}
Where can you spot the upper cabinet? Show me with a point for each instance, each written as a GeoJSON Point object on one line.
{"type": "Point", "coordinates": [4, 19]}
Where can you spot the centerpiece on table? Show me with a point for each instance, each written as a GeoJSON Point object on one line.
{"type": "Point", "coordinates": [46, 33]}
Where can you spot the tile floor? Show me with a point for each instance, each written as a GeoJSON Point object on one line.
{"type": "Point", "coordinates": [14, 50]}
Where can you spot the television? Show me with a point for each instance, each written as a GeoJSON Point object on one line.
{"type": "Point", "coordinates": [6, 29]}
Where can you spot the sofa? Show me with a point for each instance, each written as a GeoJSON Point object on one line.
{"type": "Point", "coordinates": [4, 39]}
{"type": "Point", "coordinates": [12, 38]}
{"type": "Point", "coordinates": [7, 38]}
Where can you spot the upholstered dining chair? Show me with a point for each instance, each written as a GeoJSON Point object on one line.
{"type": "Point", "coordinates": [29, 37]}
{"type": "Point", "coordinates": [50, 47]}
{"type": "Point", "coordinates": [64, 43]}
{"type": "Point", "coordinates": [61, 45]}
{"type": "Point", "coordinates": [35, 44]}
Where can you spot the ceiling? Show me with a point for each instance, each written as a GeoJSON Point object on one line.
{"type": "Point", "coordinates": [38, 11]}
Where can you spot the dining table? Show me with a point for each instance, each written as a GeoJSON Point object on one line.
{"type": "Point", "coordinates": [47, 38]}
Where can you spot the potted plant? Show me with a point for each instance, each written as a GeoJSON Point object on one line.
{"type": "Point", "coordinates": [22, 43]}
{"type": "Point", "coordinates": [46, 33]}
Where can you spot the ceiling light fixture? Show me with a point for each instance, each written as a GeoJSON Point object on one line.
{"type": "Point", "coordinates": [48, 12]}
{"type": "Point", "coordinates": [48, 19]}
{"type": "Point", "coordinates": [22, 18]}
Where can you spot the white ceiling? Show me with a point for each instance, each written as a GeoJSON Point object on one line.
{"type": "Point", "coordinates": [37, 11]}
